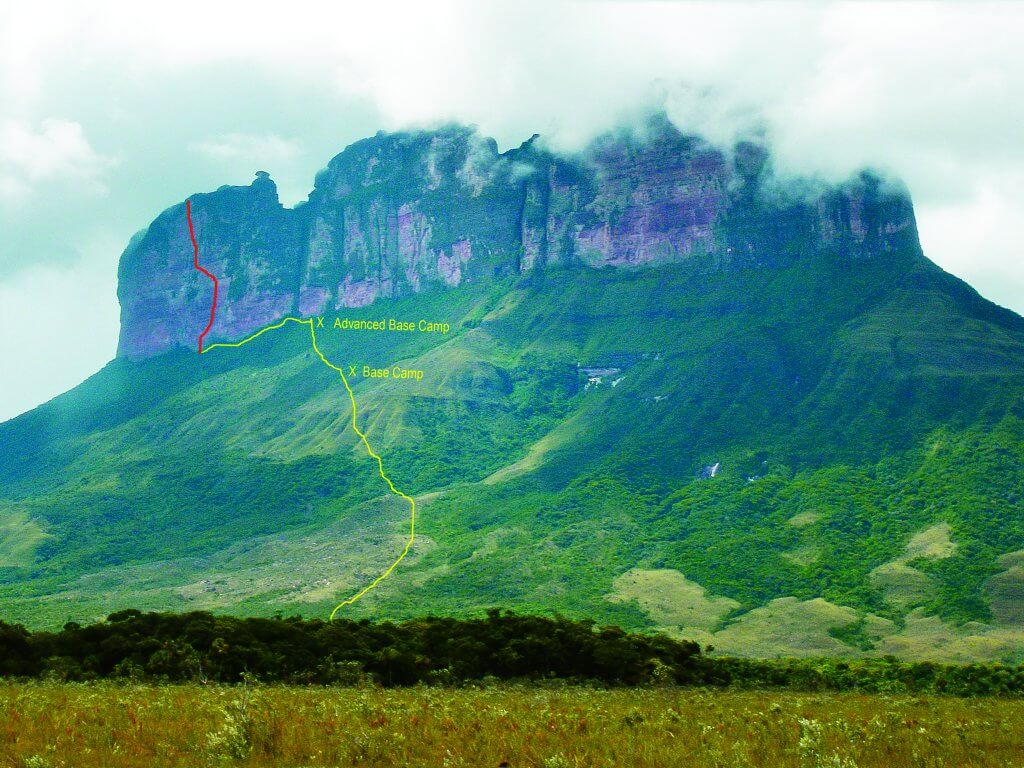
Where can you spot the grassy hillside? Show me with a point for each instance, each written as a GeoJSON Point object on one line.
{"type": "Point", "coordinates": [864, 419]}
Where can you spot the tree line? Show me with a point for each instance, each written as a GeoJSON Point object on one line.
{"type": "Point", "coordinates": [200, 646]}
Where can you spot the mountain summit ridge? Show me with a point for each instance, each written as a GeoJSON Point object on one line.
{"type": "Point", "coordinates": [398, 213]}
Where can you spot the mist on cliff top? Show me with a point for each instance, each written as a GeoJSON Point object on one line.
{"type": "Point", "coordinates": [113, 111]}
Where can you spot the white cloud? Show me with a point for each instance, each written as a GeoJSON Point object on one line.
{"type": "Point", "coordinates": [30, 35]}
{"type": "Point", "coordinates": [248, 147]}
{"type": "Point", "coordinates": [55, 151]}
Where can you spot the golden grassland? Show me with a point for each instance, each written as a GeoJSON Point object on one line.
{"type": "Point", "coordinates": [109, 725]}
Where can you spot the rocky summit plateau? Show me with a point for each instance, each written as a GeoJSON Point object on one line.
{"type": "Point", "coordinates": [398, 213]}
{"type": "Point", "coordinates": [663, 388]}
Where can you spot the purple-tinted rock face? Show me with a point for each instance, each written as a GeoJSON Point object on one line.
{"type": "Point", "coordinates": [397, 213]}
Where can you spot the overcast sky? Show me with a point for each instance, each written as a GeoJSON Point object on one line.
{"type": "Point", "coordinates": [112, 111]}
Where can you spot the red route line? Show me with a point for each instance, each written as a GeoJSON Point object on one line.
{"type": "Point", "coordinates": [197, 265]}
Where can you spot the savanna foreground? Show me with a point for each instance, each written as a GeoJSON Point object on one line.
{"type": "Point", "coordinates": [109, 725]}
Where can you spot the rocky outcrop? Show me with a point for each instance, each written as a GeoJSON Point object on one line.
{"type": "Point", "coordinates": [399, 212]}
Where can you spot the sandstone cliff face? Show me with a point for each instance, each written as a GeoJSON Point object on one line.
{"type": "Point", "coordinates": [397, 213]}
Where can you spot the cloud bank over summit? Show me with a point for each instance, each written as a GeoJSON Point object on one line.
{"type": "Point", "coordinates": [154, 104]}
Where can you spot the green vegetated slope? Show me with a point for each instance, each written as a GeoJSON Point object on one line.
{"type": "Point", "coordinates": [824, 458]}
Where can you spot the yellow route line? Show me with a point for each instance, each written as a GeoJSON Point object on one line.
{"type": "Point", "coordinates": [355, 426]}
{"type": "Point", "coordinates": [258, 333]}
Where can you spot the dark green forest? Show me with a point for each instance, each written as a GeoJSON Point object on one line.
{"type": "Point", "coordinates": [162, 647]}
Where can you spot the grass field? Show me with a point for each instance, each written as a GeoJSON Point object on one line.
{"type": "Point", "coordinates": [190, 725]}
